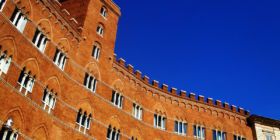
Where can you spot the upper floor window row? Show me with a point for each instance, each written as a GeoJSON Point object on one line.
{"type": "Point", "coordinates": [180, 127]}
{"type": "Point", "coordinates": [40, 40]}
{"type": "Point", "coordinates": [19, 20]}
{"type": "Point", "coordinates": [96, 51]}
{"type": "Point", "coordinates": [5, 61]}
{"type": "Point", "coordinates": [100, 30]}
{"type": "Point", "coordinates": [219, 135]}
{"type": "Point", "coordinates": [103, 11]}
{"type": "Point", "coordinates": [60, 59]}
{"type": "Point", "coordinates": [117, 99]}
{"type": "Point", "coordinates": [2, 3]}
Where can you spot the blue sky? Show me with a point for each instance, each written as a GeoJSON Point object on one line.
{"type": "Point", "coordinates": [224, 49]}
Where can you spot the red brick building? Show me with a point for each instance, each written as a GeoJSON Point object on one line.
{"type": "Point", "coordinates": [60, 79]}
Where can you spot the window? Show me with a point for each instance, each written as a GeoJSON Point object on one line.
{"type": "Point", "coordinates": [199, 132]}
{"type": "Point", "coordinates": [26, 81]}
{"type": "Point", "coordinates": [159, 121]}
{"type": "Point", "coordinates": [19, 20]}
{"type": "Point", "coordinates": [49, 100]}
{"type": "Point", "coordinates": [113, 133]}
{"type": "Point", "coordinates": [117, 99]}
{"type": "Point", "coordinates": [5, 62]}
{"type": "Point", "coordinates": [133, 138]}
{"type": "Point", "coordinates": [219, 135]}
{"type": "Point", "coordinates": [137, 111]}
{"type": "Point", "coordinates": [100, 30]}
{"type": "Point", "coordinates": [238, 137]}
{"type": "Point", "coordinates": [180, 127]}
{"type": "Point", "coordinates": [40, 40]}
{"type": "Point", "coordinates": [83, 121]}
{"type": "Point", "coordinates": [103, 12]}
{"type": "Point", "coordinates": [60, 59]}
{"type": "Point", "coordinates": [268, 136]}
{"type": "Point", "coordinates": [7, 132]}
{"type": "Point", "coordinates": [90, 82]}
{"type": "Point", "coordinates": [2, 3]}
{"type": "Point", "coordinates": [96, 51]}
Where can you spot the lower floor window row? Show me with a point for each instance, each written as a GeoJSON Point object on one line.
{"type": "Point", "coordinates": [83, 121]}
{"type": "Point", "coordinates": [7, 132]}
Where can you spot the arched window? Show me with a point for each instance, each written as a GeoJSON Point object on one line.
{"type": "Point", "coordinates": [19, 19]}
{"type": "Point", "coordinates": [180, 127]}
{"type": "Point", "coordinates": [113, 133]}
{"type": "Point", "coordinates": [159, 121]}
{"type": "Point", "coordinates": [2, 3]}
{"type": "Point", "coordinates": [199, 132]}
{"type": "Point", "coordinates": [103, 11]}
{"type": "Point", "coordinates": [96, 51]}
{"type": "Point", "coordinates": [7, 132]}
{"type": "Point", "coordinates": [60, 59]}
{"type": "Point", "coordinates": [219, 135]}
{"type": "Point", "coordinates": [83, 121]}
{"type": "Point", "coordinates": [117, 99]}
{"type": "Point", "coordinates": [49, 100]}
{"type": "Point", "coordinates": [40, 40]}
{"type": "Point", "coordinates": [26, 81]}
{"type": "Point", "coordinates": [5, 61]}
{"type": "Point", "coordinates": [90, 82]}
{"type": "Point", "coordinates": [137, 111]}
{"type": "Point", "coordinates": [100, 30]}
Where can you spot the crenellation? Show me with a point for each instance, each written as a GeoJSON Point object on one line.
{"type": "Point", "coordinates": [201, 98]}
{"type": "Point", "coordinates": [164, 87]}
{"type": "Point", "coordinates": [226, 106]}
{"type": "Point", "coordinates": [210, 101]}
{"type": "Point", "coordinates": [234, 108]}
{"type": "Point", "coordinates": [155, 83]}
{"type": "Point", "coordinates": [138, 74]}
{"type": "Point", "coordinates": [218, 103]}
{"type": "Point", "coordinates": [241, 111]}
{"type": "Point", "coordinates": [122, 62]}
{"type": "Point", "coordinates": [192, 96]}
{"type": "Point", "coordinates": [173, 91]}
{"type": "Point", "coordinates": [130, 68]}
{"type": "Point", "coordinates": [183, 94]}
{"type": "Point", "coordinates": [146, 79]}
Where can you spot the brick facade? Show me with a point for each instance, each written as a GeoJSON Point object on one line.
{"type": "Point", "coordinates": [70, 26]}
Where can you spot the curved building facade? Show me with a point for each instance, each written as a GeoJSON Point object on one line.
{"type": "Point", "coordinates": [60, 79]}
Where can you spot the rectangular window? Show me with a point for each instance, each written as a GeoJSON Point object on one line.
{"type": "Point", "coordinates": [268, 136]}
{"type": "Point", "coordinates": [2, 3]}
{"type": "Point", "coordinates": [60, 59]}
{"type": "Point", "coordinates": [19, 20]}
{"type": "Point", "coordinates": [238, 137]}
{"type": "Point", "coordinates": [90, 82]}
{"type": "Point", "coordinates": [40, 40]}
{"type": "Point", "coordinates": [219, 135]}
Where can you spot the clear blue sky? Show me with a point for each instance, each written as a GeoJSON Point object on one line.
{"type": "Point", "coordinates": [224, 49]}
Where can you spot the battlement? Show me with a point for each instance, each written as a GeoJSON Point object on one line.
{"type": "Point", "coordinates": [179, 93]}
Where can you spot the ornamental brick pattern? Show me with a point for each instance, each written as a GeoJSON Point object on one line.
{"type": "Point", "coordinates": [70, 26]}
